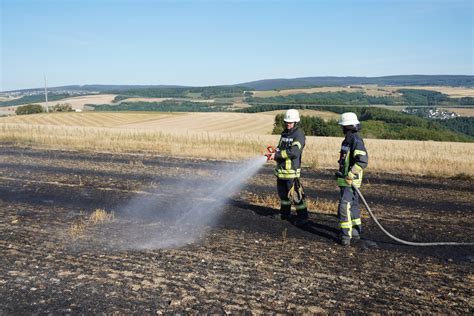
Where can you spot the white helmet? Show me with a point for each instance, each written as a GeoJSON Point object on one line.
{"type": "Point", "coordinates": [348, 118]}
{"type": "Point", "coordinates": [292, 116]}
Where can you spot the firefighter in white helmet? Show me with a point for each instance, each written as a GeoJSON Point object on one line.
{"type": "Point", "coordinates": [352, 161]}
{"type": "Point", "coordinates": [288, 158]}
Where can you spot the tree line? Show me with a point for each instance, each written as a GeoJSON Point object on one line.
{"type": "Point", "coordinates": [411, 97]}
{"type": "Point", "coordinates": [326, 98]}
{"type": "Point", "coordinates": [379, 123]}
{"type": "Point", "coordinates": [164, 106]}
{"type": "Point", "coordinates": [464, 125]}
{"type": "Point", "coordinates": [184, 92]}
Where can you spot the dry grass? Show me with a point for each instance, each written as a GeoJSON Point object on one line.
{"type": "Point", "coordinates": [174, 143]}
{"type": "Point", "coordinates": [77, 230]}
{"type": "Point", "coordinates": [273, 201]}
{"type": "Point", "coordinates": [322, 206]}
{"type": "Point", "coordinates": [399, 156]}
{"type": "Point", "coordinates": [99, 216]}
{"type": "Point", "coordinates": [267, 200]}
{"type": "Point", "coordinates": [233, 136]}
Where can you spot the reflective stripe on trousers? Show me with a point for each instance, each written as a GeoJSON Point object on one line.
{"type": "Point", "coordinates": [348, 213]}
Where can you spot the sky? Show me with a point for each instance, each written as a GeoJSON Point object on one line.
{"type": "Point", "coordinates": [201, 43]}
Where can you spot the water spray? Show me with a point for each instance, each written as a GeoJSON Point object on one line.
{"type": "Point", "coordinates": [181, 213]}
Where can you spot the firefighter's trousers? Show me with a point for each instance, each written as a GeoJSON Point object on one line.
{"type": "Point", "coordinates": [283, 187]}
{"type": "Point", "coordinates": [348, 213]}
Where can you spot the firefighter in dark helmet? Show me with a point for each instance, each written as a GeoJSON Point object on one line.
{"type": "Point", "coordinates": [352, 162]}
{"type": "Point", "coordinates": [288, 158]}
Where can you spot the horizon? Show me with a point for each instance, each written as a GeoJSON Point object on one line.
{"type": "Point", "coordinates": [232, 84]}
{"type": "Point", "coordinates": [209, 43]}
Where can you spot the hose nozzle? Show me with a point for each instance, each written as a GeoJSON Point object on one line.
{"type": "Point", "coordinates": [271, 150]}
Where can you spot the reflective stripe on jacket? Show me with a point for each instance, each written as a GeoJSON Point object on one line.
{"type": "Point", "coordinates": [353, 153]}
{"type": "Point", "coordinates": [288, 156]}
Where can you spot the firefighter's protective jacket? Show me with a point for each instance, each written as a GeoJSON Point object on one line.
{"type": "Point", "coordinates": [288, 156]}
{"type": "Point", "coordinates": [353, 153]}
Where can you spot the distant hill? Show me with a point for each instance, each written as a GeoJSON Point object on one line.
{"type": "Point", "coordinates": [403, 80]}
{"type": "Point", "coordinates": [98, 88]}
{"type": "Point", "coordinates": [270, 84]}
{"type": "Point", "coordinates": [104, 88]}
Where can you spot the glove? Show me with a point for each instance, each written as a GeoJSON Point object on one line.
{"type": "Point", "coordinates": [350, 176]}
{"type": "Point", "coordinates": [296, 193]}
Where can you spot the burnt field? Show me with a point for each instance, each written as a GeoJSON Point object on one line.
{"type": "Point", "coordinates": [243, 259]}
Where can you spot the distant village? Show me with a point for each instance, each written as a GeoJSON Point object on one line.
{"type": "Point", "coordinates": [431, 113]}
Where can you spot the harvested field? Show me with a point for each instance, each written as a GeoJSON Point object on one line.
{"type": "Point", "coordinates": [221, 136]}
{"type": "Point", "coordinates": [255, 123]}
{"type": "Point", "coordinates": [248, 260]}
{"type": "Point", "coordinates": [454, 92]}
{"type": "Point", "coordinates": [466, 112]}
{"type": "Point", "coordinates": [227, 123]}
{"type": "Point", "coordinates": [374, 90]}
{"type": "Point", "coordinates": [89, 119]}
{"type": "Point", "coordinates": [80, 101]}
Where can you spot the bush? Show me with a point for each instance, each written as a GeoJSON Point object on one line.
{"type": "Point", "coordinates": [29, 109]}
{"type": "Point", "coordinates": [311, 125]}
{"type": "Point", "coordinates": [65, 107]}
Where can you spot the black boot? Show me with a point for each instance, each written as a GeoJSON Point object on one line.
{"type": "Point", "coordinates": [301, 219]}
{"type": "Point", "coordinates": [285, 212]}
{"type": "Point", "coordinates": [286, 217]}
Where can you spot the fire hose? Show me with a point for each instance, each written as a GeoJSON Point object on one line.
{"type": "Point", "coordinates": [405, 242]}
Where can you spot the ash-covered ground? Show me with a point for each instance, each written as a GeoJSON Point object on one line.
{"type": "Point", "coordinates": [243, 259]}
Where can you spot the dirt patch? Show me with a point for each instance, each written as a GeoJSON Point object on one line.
{"type": "Point", "coordinates": [247, 260]}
